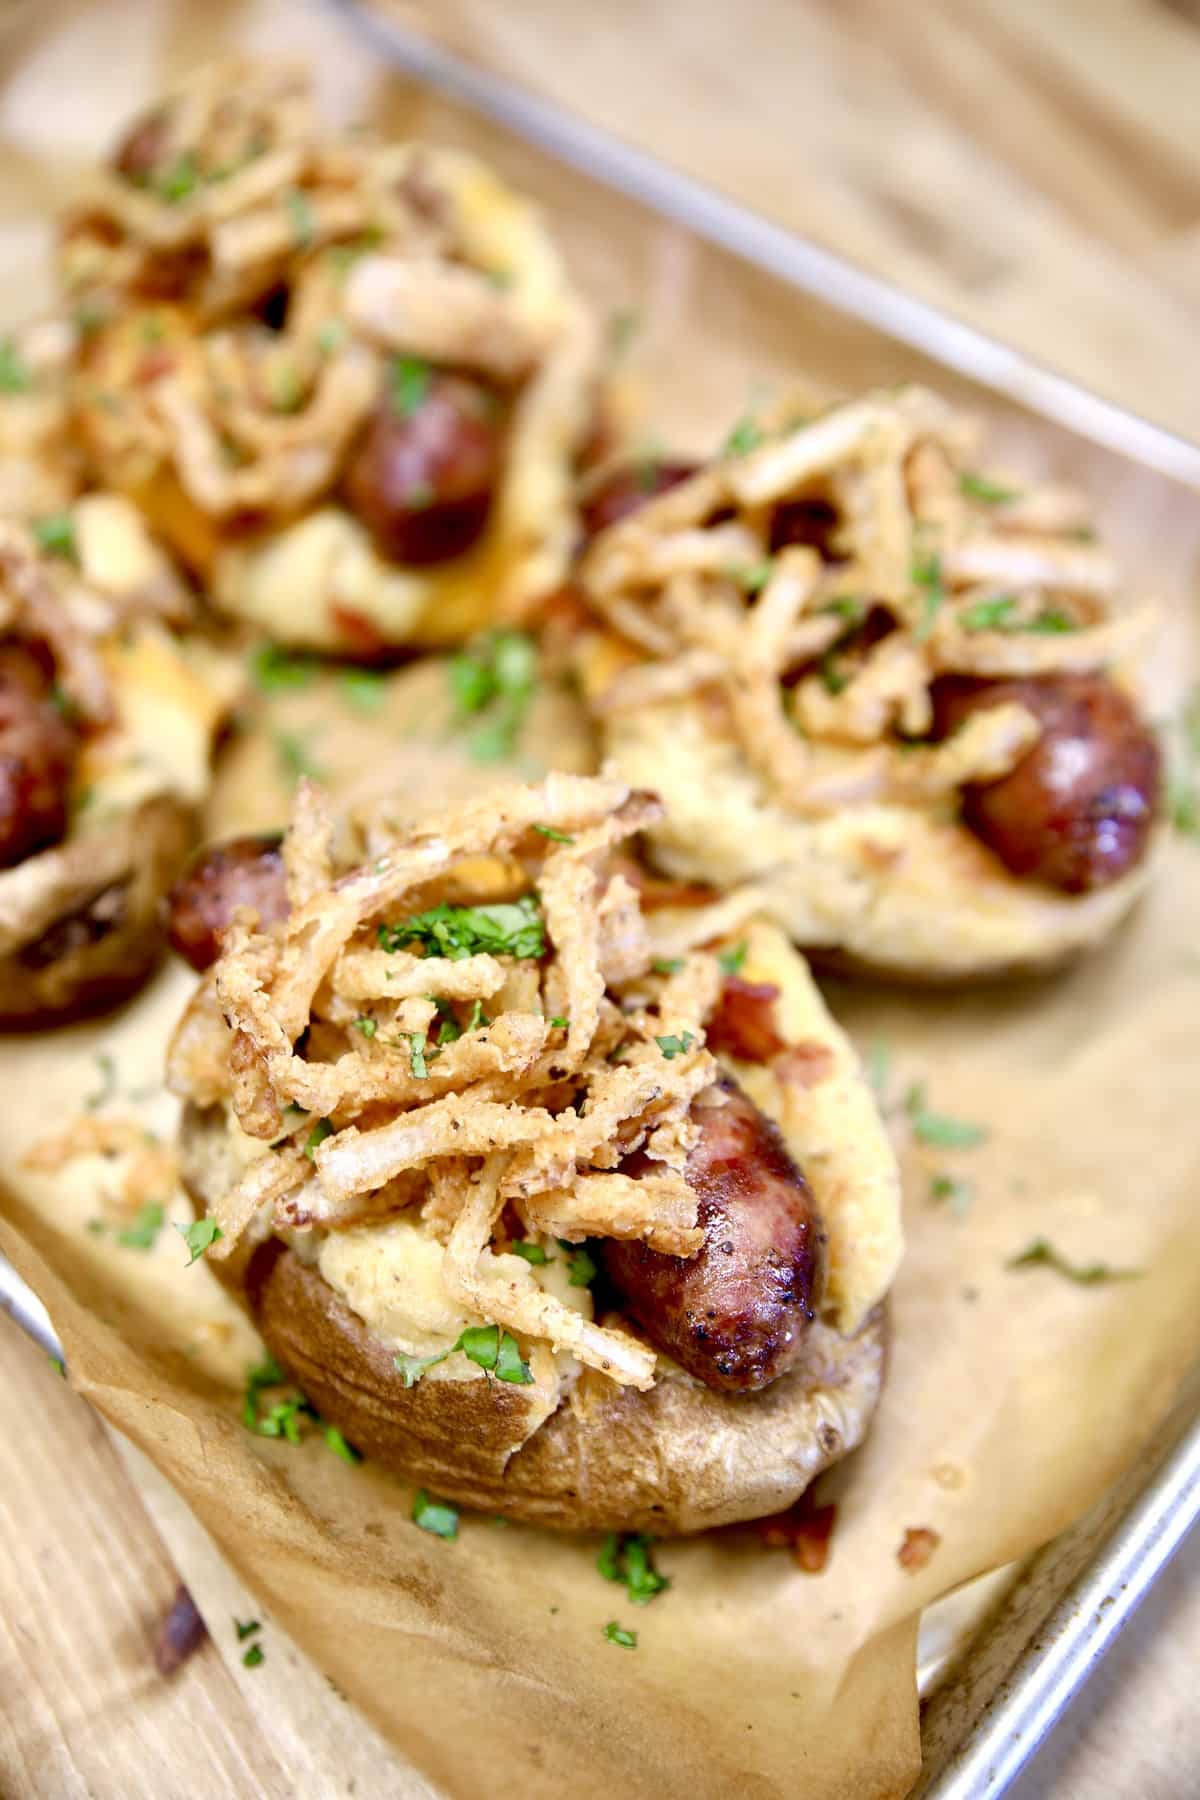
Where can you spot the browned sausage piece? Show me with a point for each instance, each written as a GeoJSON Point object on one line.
{"type": "Point", "coordinates": [38, 752]}
{"type": "Point", "coordinates": [735, 1314]}
{"type": "Point", "coordinates": [425, 471]}
{"type": "Point", "coordinates": [1077, 810]}
{"type": "Point", "coordinates": [629, 487]}
{"type": "Point", "coordinates": [246, 871]}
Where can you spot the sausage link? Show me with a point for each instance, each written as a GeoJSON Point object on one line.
{"type": "Point", "coordinates": [629, 487]}
{"type": "Point", "coordinates": [423, 482]}
{"type": "Point", "coordinates": [1077, 810]}
{"type": "Point", "coordinates": [246, 871]}
{"type": "Point", "coordinates": [735, 1314]}
{"type": "Point", "coordinates": [38, 753]}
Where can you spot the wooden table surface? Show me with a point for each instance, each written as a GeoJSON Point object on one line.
{"type": "Point", "coordinates": [1034, 167]}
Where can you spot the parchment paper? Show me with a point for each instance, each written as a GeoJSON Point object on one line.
{"type": "Point", "coordinates": [1014, 1396]}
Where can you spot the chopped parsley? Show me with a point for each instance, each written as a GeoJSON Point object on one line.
{"type": "Point", "coordinates": [978, 487]}
{"type": "Point", "coordinates": [988, 615]}
{"type": "Point", "coordinates": [495, 676]}
{"type": "Point", "coordinates": [1183, 764]}
{"type": "Point", "coordinates": [850, 607]}
{"type": "Point", "coordinates": [416, 1055]}
{"type": "Point", "coordinates": [246, 1628]}
{"type": "Point", "coordinates": [477, 1018]}
{"type": "Point", "coordinates": [199, 1236]}
{"type": "Point", "coordinates": [490, 1349]}
{"type": "Point", "coordinates": [55, 532]}
{"type": "Point", "coordinates": [253, 1656]}
{"type": "Point", "coordinates": [673, 1046]}
{"type": "Point", "coordinates": [530, 1252]}
{"type": "Point", "coordinates": [179, 182]}
{"type": "Point", "coordinates": [616, 1634]}
{"type": "Point", "coordinates": [1054, 619]}
{"type": "Point", "coordinates": [834, 678]}
{"type": "Point", "coordinates": [558, 837]}
{"type": "Point", "coordinates": [731, 960]}
{"type": "Point", "coordinates": [626, 1557]}
{"type": "Point", "coordinates": [320, 1131]}
{"type": "Point", "coordinates": [364, 689]}
{"type": "Point", "coordinates": [624, 323]}
{"type": "Point", "coordinates": [276, 671]}
{"type": "Point", "coordinates": [581, 1265]}
{"type": "Point", "coordinates": [753, 577]}
{"type": "Point", "coordinates": [1041, 1253]}
{"type": "Point", "coordinates": [264, 1375]}
{"type": "Point", "coordinates": [667, 965]}
{"type": "Point", "coordinates": [300, 215]}
{"type": "Point", "coordinates": [15, 377]}
{"type": "Point", "coordinates": [337, 1443]}
{"type": "Point", "coordinates": [926, 574]}
{"type": "Point", "coordinates": [958, 1194]}
{"type": "Point", "coordinates": [294, 756]}
{"type": "Point", "coordinates": [449, 1030]}
{"type": "Point", "coordinates": [937, 1128]}
{"type": "Point", "coordinates": [745, 436]}
{"type": "Point", "coordinates": [108, 1083]}
{"type": "Point", "coordinates": [409, 380]}
{"type": "Point", "coordinates": [506, 928]}
{"type": "Point", "coordinates": [365, 1026]}
{"type": "Point", "coordinates": [435, 1516]}
{"type": "Point", "coordinates": [142, 1231]}
{"type": "Point", "coordinates": [559, 1023]}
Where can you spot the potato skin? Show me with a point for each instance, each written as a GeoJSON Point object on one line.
{"type": "Point", "coordinates": [104, 930]}
{"type": "Point", "coordinates": [677, 1459]}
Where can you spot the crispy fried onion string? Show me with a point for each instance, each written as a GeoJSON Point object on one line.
{"type": "Point", "coordinates": [820, 659]}
{"type": "Point", "coordinates": [505, 1060]}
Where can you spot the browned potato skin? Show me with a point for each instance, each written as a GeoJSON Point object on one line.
{"type": "Point", "coordinates": [1078, 810]}
{"type": "Point", "coordinates": [109, 933]}
{"type": "Point", "coordinates": [245, 871]}
{"type": "Point", "coordinates": [423, 484]}
{"type": "Point", "coordinates": [679, 1458]}
{"type": "Point", "coordinates": [38, 753]}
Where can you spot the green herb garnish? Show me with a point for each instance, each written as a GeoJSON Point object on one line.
{"type": "Point", "coordinates": [435, 1516]}
{"type": "Point", "coordinates": [507, 928]}
{"type": "Point", "coordinates": [320, 1131]}
{"type": "Point", "coordinates": [926, 574]}
{"type": "Point", "coordinates": [142, 1231]}
{"type": "Point", "coordinates": [294, 756]}
{"type": "Point", "coordinates": [674, 1046]}
{"type": "Point", "coordinates": [752, 577]}
{"type": "Point", "coordinates": [179, 182]}
{"type": "Point", "coordinates": [246, 1628]}
{"type": "Point", "coordinates": [15, 376]}
{"type": "Point", "coordinates": [1054, 619]}
{"type": "Point", "coordinates": [336, 1442]}
{"type": "Point", "coordinates": [559, 1023]}
{"type": "Point", "coordinates": [1041, 1253]}
{"type": "Point", "coordinates": [667, 965]}
{"type": "Point", "coordinates": [55, 532]}
{"type": "Point", "coordinates": [745, 436]}
{"type": "Point", "coordinates": [988, 615]}
{"type": "Point", "coordinates": [495, 676]}
{"type": "Point", "coordinates": [616, 1634]}
{"type": "Point", "coordinates": [199, 1236]}
{"type": "Point", "coordinates": [477, 1018]}
{"type": "Point", "coordinates": [731, 960]}
{"type": "Point", "coordinates": [834, 678]}
{"type": "Point", "coordinates": [581, 1266]}
{"type": "Point", "coordinates": [365, 1026]}
{"type": "Point", "coordinates": [276, 671]}
{"type": "Point", "coordinates": [956, 1192]}
{"type": "Point", "coordinates": [108, 1083]}
{"type": "Point", "coordinates": [978, 487]}
{"type": "Point", "coordinates": [558, 837]}
{"type": "Point", "coordinates": [416, 1055]}
{"type": "Point", "coordinates": [936, 1128]}
{"type": "Point", "coordinates": [331, 336]}
{"type": "Point", "coordinates": [530, 1252]}
{"type": "Point", "coordinates": [409, 381]}
{"type": "Point", "coordinates": [253, 1656]}
{"type": "Point", "coordinates": [626, 1557]}
{"type": "Point", "coordinates": [485, 1345]}
{"type": "Point", "coordinates": [364, 689]}
{"type": "Point", "coordinates": [624, 324]}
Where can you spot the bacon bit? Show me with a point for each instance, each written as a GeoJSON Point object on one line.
{"type": "Point", "coordinates": [918, 1546]}
{"type": "Point", "coordinates": [804, 1065]}
{"type": "Point", "coordinates": [658, 891]}
{"type": "Point", "coordinates": [743, 1024]}
{"type": "Point", "coordinates": [180, 1635]}
{"type": "Point", "coordinates": [805, 1530]}
{"type": "Point", "coordinates": [361, 633]}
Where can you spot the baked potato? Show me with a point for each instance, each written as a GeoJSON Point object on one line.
{"type": "Point", "coordinates": [506, 1218]}
{"type": "Point", "coordinates": [345, 380]}
{"type": "Point", "coordinates": [888, 691]}
{"type": "Point", "coordinates": [106, 726]}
